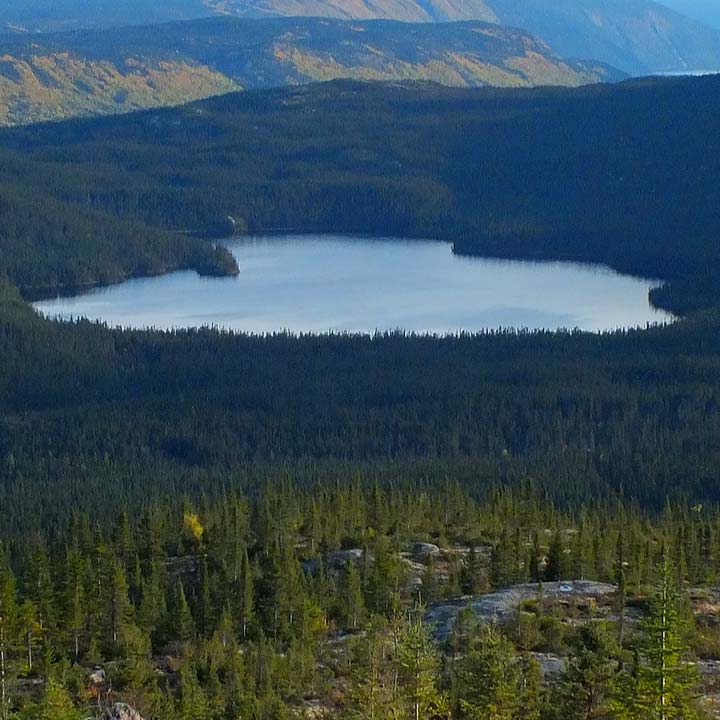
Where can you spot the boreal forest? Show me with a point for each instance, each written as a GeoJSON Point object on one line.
{"type": "Point", "coordinates": [206, 525]}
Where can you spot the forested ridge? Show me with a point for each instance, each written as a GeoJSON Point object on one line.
{"type": "Point", "coordinates": [624, 175]}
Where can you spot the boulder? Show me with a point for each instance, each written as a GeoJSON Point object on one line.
{"type": "Point", "coordinates": [422, 550]}
{"type": "Point", "coordinates": [121, 711]}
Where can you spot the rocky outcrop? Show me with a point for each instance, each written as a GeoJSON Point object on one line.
{"type": "Point", "coordinates": [501, 606]}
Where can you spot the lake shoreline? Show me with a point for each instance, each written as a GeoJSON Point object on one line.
{"type": "Point", "coordinates": [303, 283]}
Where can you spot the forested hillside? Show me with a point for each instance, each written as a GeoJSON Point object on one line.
{"type": "Point", "coordinates": [624, 175]}
{"type": "Point", "coordinates": [325, 602]}
{"type": "Point", "coordinates": [99, 419]}
{"type": "Point", "coordinates": [51, 77]}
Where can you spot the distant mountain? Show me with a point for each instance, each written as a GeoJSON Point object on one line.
{"type": "Point", "coordinates": [707, 11]}
{"type": "Point", "coordinates": [405, 10]}
{"type": "Point", "coordinates": [49, 77]}
{"type": "Point", "coordinates": [637, 36]}
{"type": "Point", "coordinates": [57, 15]}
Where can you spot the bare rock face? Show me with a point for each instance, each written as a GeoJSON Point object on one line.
{"type": "Point", "coordinates": [501, 605]}
{"type": "Point", "coordinates": [121, 711]}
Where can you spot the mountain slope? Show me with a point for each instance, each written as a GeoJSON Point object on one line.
{"type": "Point", "coordinates": [99, 72]}
{"type": "Point", "coordinates": [405, 10]}
{"type": "Point", "coordinates": [706, 11]}
{"type": "Point", "coordinates": [637, 36]}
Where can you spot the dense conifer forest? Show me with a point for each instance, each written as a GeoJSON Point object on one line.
{"type": "Point", "coordinates": [622, 174]}
{"type": "Point", "coordinates": [211, 526]}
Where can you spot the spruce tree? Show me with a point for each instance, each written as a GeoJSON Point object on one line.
{"type": "Point", "coordinates": [247, 595]}
{"type": "Point", "coordinates": [183, 625]}
{"type": "Point", "coordinates": [501, 570]}
{"type": "Point", "coordinates": [8, 620]}
{"type": "Point", "coordinates": [590, 668]}
{"type": "Point", "coordinates": [661, 684]}
{"type": "Point", "coordinates": [56, 704]}
{"type": "Point", "coordinates": [418, 670]}
{"type": "Point", "coordinates": [488, 679]}
{"type": "Point", "coordinates": [555, 568]}
{"type": "Point", "coordinates": [371, 694]}
{"type": "Point", "coordinates": [352, 602]}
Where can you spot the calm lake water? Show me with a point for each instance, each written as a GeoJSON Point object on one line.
{"type": "Point", "coordinates": [321, 284]}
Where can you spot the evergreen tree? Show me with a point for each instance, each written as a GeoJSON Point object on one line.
{"type": "Point", "coordinates": [556, 565]}
{"type": "Point", "coordinates": [621, 582]}
{"type": "Point", "coordinates": [589, 670]}
{"type": "Point", "coordinates": [74, 610]}
{"type": "Point", "coordinates": [152, 603]}
{"type": "Point", "coordinates": [56, 704]}
{"type": "Point", "coordinates": [534, 559]}
{"type": "Point", "coordinates": [487, 679]}
{"type": "Point", "coordinates": [247, 595]}
{"type": "Point", "coordinates": [418, 664]}
{"type": "Point", "coordinates": [351, 598]}
{"type": "Point", "coordinates": [470, 573]}
{"type": "Point", "coordinates": [8, 620]}
{"type": "Point", "coordinates": [204, 610]}
{"type": "Point", "coordinates": [182, 620]}
{"type": "Point", "coordinates": [120, 611]}
{"type": "Point", "coordinates": [193, 701]}
{"type": "Point", "coordinates": [501, 563]}
{"type": "Point", "coordinates": [661, 684]}
{"type": "Point", "coordinates": [371, 695]}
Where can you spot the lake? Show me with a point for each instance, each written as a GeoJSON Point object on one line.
{"type": "Point", "coordinates": [342, 284]}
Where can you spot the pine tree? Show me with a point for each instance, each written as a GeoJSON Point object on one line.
{"type": "Point", "coordinates": [204, 611]}
{"type": "Point", "coordinates": [123, 541]}
{"type": "Point", "coordinates": [351, 598]}
{"type": "Point", "coordinates": [488, 680]}
{"type": "Point", "coordinates": [501, 570]}
{"type": "Point", "coordinates": [661, 684]}
{"type": "Point", "coordinates": [152, 603]}
{"type": "Point", "coordinates": [30, 628]}
{"type": "Point", "coordinates": [119, 606]}
{"type": "Point", "coordinates": [182, 621]}
{"type": "Point", "coordinates": [74, 615]}
{"type": "Point", "coordinates": [589, 670]}
{"type": "Point", "coordinates": [621, 582]}
{"type": "Point", "coordinates": [371, 693]}
{"type": "Point", "coordinates": [534, 559]}
{"type": "Point", "coordinates": [247, 595]}
{"type": "Point", "coordinates": [8, 619]}
{"type": "Point", "coordinates": [470, 573]}
{"type": "Point", "coordinates": [193, 702]}
{"type": "Point", "coordinates": [225, 631]}
{"type": "Point", "coordinates": [57, 704]}
{"type": "Point", "coordinates": [418, 666]}
{"type": "Point", "coordinates": [531, 696]}
{"type": "Point", "coordinates": [40, 585]}
{"type": "Point", "coordinates": [555, 568]}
